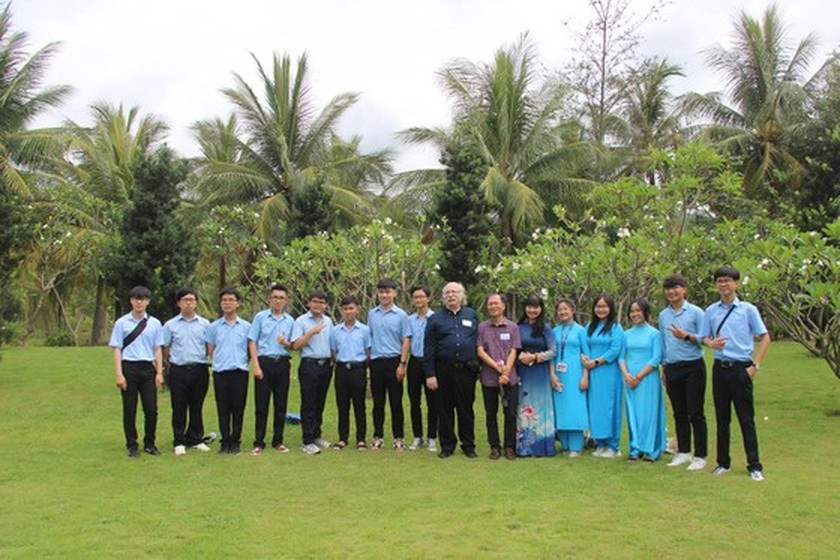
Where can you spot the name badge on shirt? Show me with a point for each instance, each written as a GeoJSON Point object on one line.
{"type": "Point", "coordinates": [561, 367]}
{"type": "Point", "coordinates": [466, 322]}
{"type": "Point", "coordinates": [504, 336]}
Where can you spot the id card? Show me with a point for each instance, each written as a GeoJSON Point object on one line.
{"type": "Point", "coordinates": [466, 322]}
{"type": "Point", "coordinates": [561, 367]}
{"type": "Point", "coordinates": [504, 336]}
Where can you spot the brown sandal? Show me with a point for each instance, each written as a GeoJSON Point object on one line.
{"type": "Point", "coordinates": [361, 446]}
{"type": "Point", "coordinates": [339, 445]}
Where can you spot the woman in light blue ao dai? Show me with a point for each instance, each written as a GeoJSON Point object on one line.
{"type": "Point", "coordinates": [605, 398]}
{"type": "Point", "coordinates": [639, 362]}
{"type": "Point", "coordinates": [571, 416]}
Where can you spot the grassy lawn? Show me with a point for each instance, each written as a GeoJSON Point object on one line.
{"type": "Point", "coordinates": [68, 490]}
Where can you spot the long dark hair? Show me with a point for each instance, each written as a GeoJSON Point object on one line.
{"type": "Point", "coordinates": [538, 326]}
{"type": "Point", "coordinates": [609, 322]}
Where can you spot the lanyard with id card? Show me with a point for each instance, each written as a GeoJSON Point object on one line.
{"type": "Point", "coordinates": [561, 366]}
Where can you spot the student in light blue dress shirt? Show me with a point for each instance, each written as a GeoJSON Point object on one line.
{"type": "Point", "coordinates": [269, 342]}
{"type": "Point", "coordinates": [391, 344]}
{"type": "Point", "coordinates": [420, 298]}
{"type": "Point", "coordinates": [227, 343]}
{"type": "Point", "coordinates": [138, 367]}
{"type": "Point", "coordinates": [350, 344]}
{"type": "Point", "coordinates": [685, 372]}
{"type": "Point", "coordinates": [186, 350]}
{"type": "Point", "coordinates": [730, 327]}
{"type": "Point", "coordinates": [311, 336]}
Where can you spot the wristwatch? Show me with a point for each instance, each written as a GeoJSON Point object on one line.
{"type": "Point", "coordinates": [687, 338]}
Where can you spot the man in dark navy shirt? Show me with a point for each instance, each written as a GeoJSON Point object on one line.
{"type": "Point", "coordinates": [451, 366]}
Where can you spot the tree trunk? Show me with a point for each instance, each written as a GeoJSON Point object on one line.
{"type": "Point", "coordinates": [99, 313]}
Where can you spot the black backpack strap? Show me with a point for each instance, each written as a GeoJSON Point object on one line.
{"type": "Point", "coordinates": [725, 317]}
{"type": "Point", "coordinates": [135, 333]}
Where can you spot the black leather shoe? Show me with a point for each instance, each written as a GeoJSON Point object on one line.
{"type": "Point", "coordinates": [224, 449]}
{"type": "Point", "coordinates": [234, 450]}
{"type": "Point", "coordinates": [133, 452]}
{"type": "Point", "coordinates": [471, 454]}
{"type": "Point", "coordinates": [151, 450]}
{"type": "Point", "coordinates": [445, 454]}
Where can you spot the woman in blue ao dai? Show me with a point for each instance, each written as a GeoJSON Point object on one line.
{"type": "Point", "coordinates": [535, 367]}
{"type": "Point", "coordinates": [639, 364]}
{"type": "Point", "coordinates": [571, 416]}
{"type": "Point", "coordinates": [605, 395]}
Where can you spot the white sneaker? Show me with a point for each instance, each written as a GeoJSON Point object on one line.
{"type": "Point", "coordinates": [599, 452]}
{"type": "Point", "coordinates": [431, 445]}
{"type": "Point", "coordinates": [416, 443]}
{"type": "Point", "coordinates": [720, 471]}
{"type": "Point", "coordinates": [680, 459]}
{"type": "Point", "coordinates": [310, 449]}
{"type": "Point", "coordinates": [201, 447]}
{"type": "Point", "coordinates": [180, 450]}
{"type": "Point", "coordinates": [757, 476]}
{"type": "Point", "coordinates": [322, 443]}
{"type": "Point", "coordinates": [697, 464]}
{"type": "Point", "coordinates": [573, 454]}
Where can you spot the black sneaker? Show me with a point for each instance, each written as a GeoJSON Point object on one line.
{"type": "Point", "coordinates": [133, 452]}
{"type": "Point", "coordinates": [151, 450]}
{"type": "Point", "coordinates": [224, 449]}
{"type": "Point", "coordinates": [234, 449]}
{"type": "Point", "coordinates": [445, 454]}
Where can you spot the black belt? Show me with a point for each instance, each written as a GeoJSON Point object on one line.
{"type": "Point", "coordinates": [139, 362]}
{"type": "Point", "coordinates": [192, 365]}
{"type": "Point", "coordinates": [385, 358]}
{"type": "Point", "coordinates": [726, 364]}
{"type": "Point", "coordinates": [316, 361]}
{"type": "Point", "coordinates": [276, 358]}
{"type": "Point", "coordinates": [683, 363]}
{"type": "Point", "coordinates": [350, 365]}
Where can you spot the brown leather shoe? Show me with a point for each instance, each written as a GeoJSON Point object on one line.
{"type": "Point", "coordinates": [495, 453]}
{"type": "Point", "coordinates": [510, 453]}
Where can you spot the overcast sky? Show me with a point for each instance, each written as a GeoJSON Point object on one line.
{"type": "Point", "coordinates": [171, 57]}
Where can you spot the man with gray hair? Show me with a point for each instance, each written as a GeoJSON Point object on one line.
{"type": "Point", "coordinates": [451, 366]}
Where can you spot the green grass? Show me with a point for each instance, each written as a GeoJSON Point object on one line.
{"type": "Point", "coordinates": [68, 490]}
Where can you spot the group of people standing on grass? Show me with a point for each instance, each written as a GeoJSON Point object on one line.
{"type": "Point", "coordinates": [553, 384]}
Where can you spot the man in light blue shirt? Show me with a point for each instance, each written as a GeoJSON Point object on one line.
{"type": "Point", "coordinates": [185, 348]}
{"type": "Point", "coordinates": [138, 367]}
{"type": "Point", "coordinates": [730, 327]}
{"type": "Point", "coordinates": [227, 343]}
{"type": "Point", "coordinates": [685, 372]}
{"type": "Point", "coordinates": [420, 298]}
{"type": "Point", "coordinates": [269, 342]}
{"type": "Point", "coordinates": [311, 336]}
{"type": "Point", "coordinates": [350, 343]}
{"type": "Point", "coordinates": [391, 343]}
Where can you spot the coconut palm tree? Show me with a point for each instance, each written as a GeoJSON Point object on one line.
{"type": "Point", "coordinates": [767, 92]}
{"type": "Point", "coordinates": [512, 113]}
{"type": "Point", "coordinates": [285, 146]}
{"type": "Point", "coordinates": [22, 98]}
{"type": "Point", "coordinates": [106, 155]}
{"type": "Point", "coordinates": [651, 117]}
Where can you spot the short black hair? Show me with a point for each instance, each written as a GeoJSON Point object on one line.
{"type": "Point", "coordinates": [348, 300]}
{"type": "Point", "coordinates": [184, 292]}
{"type": "Point", "coordinates": [727, 271]}
{"type": "Point", "coordinates": [230, 291]}
{"type": "Point", "coordinates": [386, 283]}
{"type": "Point", "coordinates": [644, 307]}
{"type": "Point", "coordinates": [674, 280]}
{"type": "Point", "coordinates": [279, 288]}
{"type": "Point", "coordinates": [426, 290]}
{"type": "Point", "coordinates": [140, 292]}
{"type": "Point", "coordinates": [318, 294]}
